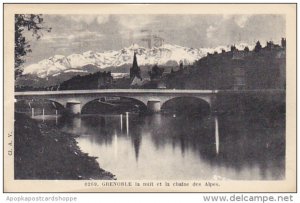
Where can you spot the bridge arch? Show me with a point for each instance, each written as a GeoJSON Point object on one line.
{"type": "Point", "coordinates": [26, 105]}
{"type": "Point", "coordinates": [56, 104]}
{"type": "Point", "coordinates": [123, 104]}
{"type": "Point", "coordinates": [187, 105]}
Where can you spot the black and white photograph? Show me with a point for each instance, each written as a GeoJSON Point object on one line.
{"type": "Point", "coordinates": [150, 96]}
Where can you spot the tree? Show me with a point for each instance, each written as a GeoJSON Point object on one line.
{"type": "Point", "coordinates": [233, 48]}
{"type": "Point", "coordinates": [257, 47]}
{"type": "Point", "coordinates": [23, 22]}
{"type": "Point", "coordinates": [246, 49]}
{"type": "Point", "coordinates": [181, 65]}
{"type": "Point", "coordinates": [156, 72]}
{"type": "Point", "coordinates": [283, 42]}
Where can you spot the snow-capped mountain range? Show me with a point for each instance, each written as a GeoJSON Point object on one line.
{"type": "Point", "coordinates": [165, 55]}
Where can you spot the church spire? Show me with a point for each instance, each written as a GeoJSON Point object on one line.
{"type": "Point", "coordinates": [134, 61]}
{"type": "Point", "coordinates": [135, 69]}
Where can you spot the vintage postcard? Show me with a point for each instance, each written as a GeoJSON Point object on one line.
{"type": "Point", "coordinates": [149, 98]}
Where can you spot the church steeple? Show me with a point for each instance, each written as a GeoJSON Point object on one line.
{"type": "Point", "coordinates": [135, 69]}
{"type": "Point", "coordinates": [134, 61]}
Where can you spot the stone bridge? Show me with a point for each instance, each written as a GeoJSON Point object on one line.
{"type": "Point", "coordinates": [153, 99]}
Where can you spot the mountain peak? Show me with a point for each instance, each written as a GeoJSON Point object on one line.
{"type": "Point", "coordinates": [56, 57]}
{"type": "Point", "coordinates": [88, 53]}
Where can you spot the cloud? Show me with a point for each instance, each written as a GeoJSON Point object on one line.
{"type": "Point", "coordinates": [70, 39]}
{"type": "Point", "coordinates": [88, 19]}
{"type": "Point", "coordinates": [52, 38]}
{"type": "Point", "coordinates": [227, 28]}
{"type": "Point", "coordinates": [102, 19]}
{"type": "Point", "coordinates": [133, 22]}
{"type": "Point", "coordinates": [77, 33]}
{"type": "Point", "coordinates": [241, 20]}
{"type": "Point", "coordinates": [210, 31]}
{"type": "Point", "coordinates": [84, 35]}
{"type": "Point", "coordinates": [226, 16]}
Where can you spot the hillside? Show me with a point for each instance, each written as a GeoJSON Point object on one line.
{"type": "Point", "coordinates": [263, 68]}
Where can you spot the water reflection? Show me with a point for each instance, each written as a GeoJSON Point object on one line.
{"type": "Point", "coordinates": [127, 123]}
{"type": "Point", "coordinates": [121, 121]}
{"type": "Point", "coordinates": [182, 147]}
{"type": "Point", "coordinates": [115, 145]}
{"type": "Point", "coordinates": [217, 134]}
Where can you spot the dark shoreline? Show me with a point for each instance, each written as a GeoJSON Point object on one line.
{"type": "Point", "coordinates": [43, 152]}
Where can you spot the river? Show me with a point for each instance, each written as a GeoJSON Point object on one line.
{"type": "Point", "coordinates": [174, 146]}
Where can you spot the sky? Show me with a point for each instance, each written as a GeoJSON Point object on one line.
{"type": "Point", "coordinates": [79, 33]}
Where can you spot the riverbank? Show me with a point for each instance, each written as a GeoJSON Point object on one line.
{"type": "Point", "coordinates": [43, 152]}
